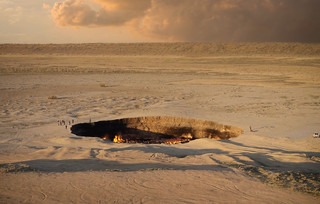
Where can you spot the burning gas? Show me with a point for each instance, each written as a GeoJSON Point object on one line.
{"type": "Point", "coordinates": [118, 139]}
{"type": "Point", "coordinates": [127, 139]}
{"type": "Point", "coordinates": [105, 137]}
{"type": "Point", "coordinates": [176, 141]}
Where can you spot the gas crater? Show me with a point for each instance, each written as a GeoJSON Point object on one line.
{"type": "Point", "coordinates": [155, 130]}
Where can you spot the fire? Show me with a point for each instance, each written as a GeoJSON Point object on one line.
{"type": "Point", "coordinates": [126, 139]}
{"type": "Point", "coordinates": [105, 137]}
{"type": "Point", "coordinates": [118, 139]}
{"type": "Point", "coordinates": [175, 141]}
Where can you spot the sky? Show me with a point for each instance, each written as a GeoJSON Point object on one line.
{"type": "Point", "coordinates": [123, 21]}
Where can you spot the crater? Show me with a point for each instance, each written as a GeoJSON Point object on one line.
{"type": "Point", "coordinates": [156, 130]}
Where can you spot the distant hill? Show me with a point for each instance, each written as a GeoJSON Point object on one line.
{"type": "Point", "coordinates": [178, 49]}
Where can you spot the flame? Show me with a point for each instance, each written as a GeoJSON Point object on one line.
{"type": "Point", "coordinates": [105, 137]}
{"type": "Point", "coordinates": [175, 141]}
{"type": "Point", "coordinates": [118, 139]}
{"type": "Point", "coordinates": [123, 139]}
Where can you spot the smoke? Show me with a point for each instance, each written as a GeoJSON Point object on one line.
{"type": "Point", "coordinates": [194, 20]}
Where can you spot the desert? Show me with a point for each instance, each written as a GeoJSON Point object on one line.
{"type": "Point", "coordinates": [270, 90]}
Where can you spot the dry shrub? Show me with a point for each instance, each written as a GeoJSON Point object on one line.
{"type": "Point", "coordinates": [15, 168]}
{"type": "Point", "coordinates": [52, 97]}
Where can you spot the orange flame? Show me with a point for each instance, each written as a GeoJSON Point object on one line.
{"type": "Point", "coordinates": [118, 139]}
{"type": "Point", "coordinates": [105, 137]}
{"type": "Point", "coordinates": [174, 141]}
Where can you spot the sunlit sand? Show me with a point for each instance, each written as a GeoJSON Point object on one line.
{"type": "Point", "coordinates": [270, 90]}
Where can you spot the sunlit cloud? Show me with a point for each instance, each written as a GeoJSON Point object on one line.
{"type": "Point", "coordinates": [189, 20]}
{"type": "Point", "coordinates": [111, 13]}
{"type": "Point", "coordinates": [46, 6]}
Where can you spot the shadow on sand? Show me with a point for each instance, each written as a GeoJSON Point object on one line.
{"type": "Point", "coordinates": [301, 176]}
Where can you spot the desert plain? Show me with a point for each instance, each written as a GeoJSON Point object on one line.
{"type": "Point", "coordinates": [270, 90]}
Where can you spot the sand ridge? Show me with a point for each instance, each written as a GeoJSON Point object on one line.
{"type": "Point", "coordinates": [160, 49]}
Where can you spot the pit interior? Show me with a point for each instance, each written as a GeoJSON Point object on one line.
{"type": "Point", "coordinates": [155, 130]}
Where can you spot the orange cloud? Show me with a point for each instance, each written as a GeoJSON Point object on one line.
{"type": "Point", "coordinates": [112, 12]}
{"type": "Point", "coordinates": [205, 20]}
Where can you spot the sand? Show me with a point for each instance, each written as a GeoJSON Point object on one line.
{"type": "Point", "coordinates": [275, 90]}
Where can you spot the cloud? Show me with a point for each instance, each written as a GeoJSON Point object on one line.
{"type": "Point", "coordinates": [194, 20]}
{"type": "Point", "coordinates": [46, 6]}
{"type": "Point", "coordinates": [111, 12]}
{"type": "Point", "coordinates": [11, 14]}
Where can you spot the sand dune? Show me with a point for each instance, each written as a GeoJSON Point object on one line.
{"type": "Point", "coordinates": [274, 90]}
